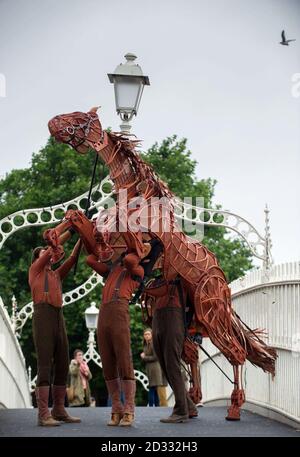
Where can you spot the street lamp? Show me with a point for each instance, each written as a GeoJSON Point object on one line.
{"type": "Point", "coordinates": [129, 82]}
{"type": "Point", "coordinates": [91, 316]}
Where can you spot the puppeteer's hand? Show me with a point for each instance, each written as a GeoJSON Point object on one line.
{"type": "Point", "coordinates": [142, 355]}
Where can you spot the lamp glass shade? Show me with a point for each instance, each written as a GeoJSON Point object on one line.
{"type": "Point", "coordinates": [91, 316]}
{"type": "Point", "coordinates": [128, 92]}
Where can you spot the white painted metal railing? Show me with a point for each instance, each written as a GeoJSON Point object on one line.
{"type": "Point", "coordinates": [268, 300]}
{"type": "Point", "coordinates": [14, 392]}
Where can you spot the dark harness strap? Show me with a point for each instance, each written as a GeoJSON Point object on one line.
{"type": "Point", "coordinates": [111, 265]}
{"type": "Point", "coordinates": [172, 291]}
{"type": "Point", "coordinates": [181, 299]}
{"type": "Point", "coordinates": [118, 285]}
{"type": "Point", "coordinates": [46, 284]}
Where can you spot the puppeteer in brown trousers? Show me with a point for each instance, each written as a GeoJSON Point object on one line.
{"type": "Point", "coordinates": [114, 337]}
{"type": "Point", "coordinates": [168, 339]}
{"type": "Point", "coordinates": [49, 334]}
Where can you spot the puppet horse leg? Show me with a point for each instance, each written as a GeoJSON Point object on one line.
{"type": "Point", "coordinates": [195, 389]}
{"type": "Point", "coordinates": [237, 396]}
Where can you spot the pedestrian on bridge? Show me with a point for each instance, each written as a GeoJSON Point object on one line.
{"type": "Point", "coordinates": [153, 369]}
{"type": "Point", "coordinates": [80, 376]}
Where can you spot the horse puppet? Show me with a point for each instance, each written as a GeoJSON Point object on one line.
{"type": "Point", "coordinates": [149, 202]}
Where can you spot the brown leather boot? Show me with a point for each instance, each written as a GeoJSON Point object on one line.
{"type": "Point", "coordinates": [58, 411]}
{"type": "Point", "coordinates": [114, 390]}
{"type": "Point", "coordinates": [127, 420]}
{"type": "Point", "coordinates": [115, 419]}
{"type": "Point", "coordinates": [44, 417]}
{"type": "Point", "coordinates": [128, 388]}
{"type": "Point", "coordinates": [175, 419]}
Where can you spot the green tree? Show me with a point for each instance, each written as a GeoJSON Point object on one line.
{"type": "Point", "coordinates": [58, 174]}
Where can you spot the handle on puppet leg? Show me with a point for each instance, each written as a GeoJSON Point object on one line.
{"type": "Point", "coordinates": [59, 235]}
{"type": "Point", "coordinates": [75, 221]}
{"type": "Point", "coordinates": [56, 235]}
{"type": "Point", "coordinates": [65, 237]}
{"type": "Point", "coordinates": [55, 238]}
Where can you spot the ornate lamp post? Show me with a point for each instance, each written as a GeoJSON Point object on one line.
{"type": "Point", "coordinates": [91, 318]}
{"type": "Point", "coordinates": [129, 82]}
{"type": "Point", "coordinates": [14, 308]}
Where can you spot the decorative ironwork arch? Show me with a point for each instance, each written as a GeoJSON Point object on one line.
{"type": "Point", "coordinates": [226, 219]}
{"type": "Point", "coordinates": [51, 214]}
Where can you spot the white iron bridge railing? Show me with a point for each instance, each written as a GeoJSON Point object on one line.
{"type": "Point", "coordinates": [14, 389]}
{"type": "Point", "coordinates": [268, 300]}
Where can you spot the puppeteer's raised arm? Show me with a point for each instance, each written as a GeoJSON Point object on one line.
{"type": "Point", "coordinates": [100, 267]}
{"type": "Point", "coordinates": [64, 269]}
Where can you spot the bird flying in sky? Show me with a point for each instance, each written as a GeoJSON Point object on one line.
{"type": "Point", "coordinates": [284, 41]}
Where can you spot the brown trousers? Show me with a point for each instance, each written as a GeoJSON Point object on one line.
{"type": "Point", "coordinates": [51, 345]}
{"type": "Point", "coordinates": [168, 338]}
{"type": "Point", "coordinates": [114, 340]}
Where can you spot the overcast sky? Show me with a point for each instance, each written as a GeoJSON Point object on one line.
{"type": "Point", "coordinates": [218, 77]}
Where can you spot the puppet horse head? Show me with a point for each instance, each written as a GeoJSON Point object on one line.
{"type": "Point", "coordinates": [79, 130]}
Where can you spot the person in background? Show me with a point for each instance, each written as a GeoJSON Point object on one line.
{"type": "Point", "coordinates": [80, 376]}
{"type": "Point", "coordinates": [153, 369]}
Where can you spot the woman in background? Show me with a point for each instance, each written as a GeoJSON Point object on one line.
{"type": "Point", "coordinates": [153, 369]}
{"type": "Point", "coordinates": [80, 376]}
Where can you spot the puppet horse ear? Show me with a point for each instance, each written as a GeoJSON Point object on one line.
{"type": "Point", "coordinates": [94, 109]}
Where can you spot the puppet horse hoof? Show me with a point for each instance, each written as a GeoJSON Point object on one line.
{"type": "Point", "coordinates": [237, 399]}
{"type": "Point", "coordinates": [233, 413]}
